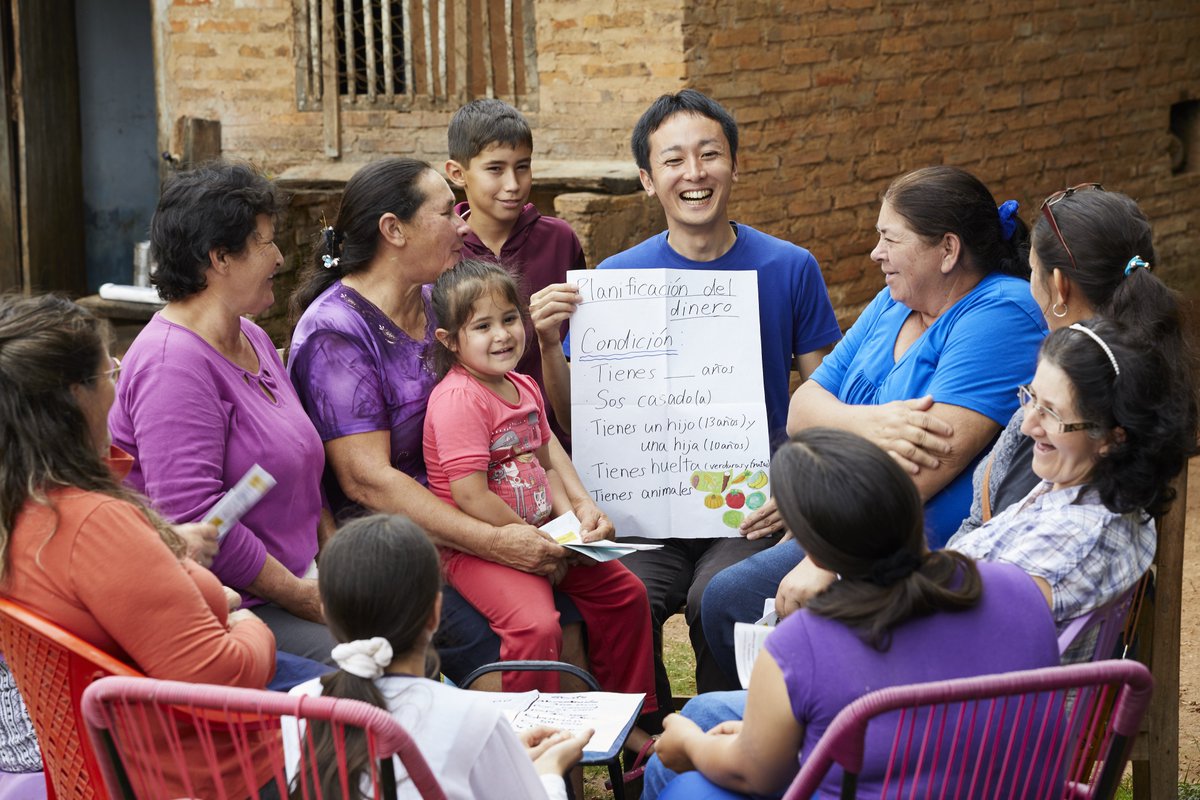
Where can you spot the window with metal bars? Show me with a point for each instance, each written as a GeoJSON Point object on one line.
{"type": "Point", "coordinates": [414, 53]}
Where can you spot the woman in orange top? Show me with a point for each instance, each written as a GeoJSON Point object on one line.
{"type": "Point", "coordinates": [79, 548]}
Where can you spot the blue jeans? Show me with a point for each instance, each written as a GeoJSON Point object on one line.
{"type": "Point", "coordinates": [706, 710]}
{"type": "Point", "coordinates": [736, 594]}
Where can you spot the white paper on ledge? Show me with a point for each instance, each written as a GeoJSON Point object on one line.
{"type": "Point", "coordinates": [130, 294]}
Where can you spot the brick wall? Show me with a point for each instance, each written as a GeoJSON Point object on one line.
{"type": "Point", "coordinates": [834, 98]}
{"type": "Point", "coordinates": [600, 62]}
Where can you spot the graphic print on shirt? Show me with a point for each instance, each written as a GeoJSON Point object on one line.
{"type": "Point", "coordinates": [514, 474]}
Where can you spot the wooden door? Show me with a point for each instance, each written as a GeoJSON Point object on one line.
{"type": "Point", "coordinates": [46, 94]}
{"type": "Point", "coordinates": [10, 240]}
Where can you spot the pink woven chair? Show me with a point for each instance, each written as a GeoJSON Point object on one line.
{"type": "Point", "coordinates": [1093, 636]}
{"type": "Point", "coordinates": [1016, 735]}
{"type": "Point", "coordinates": [150, 735]}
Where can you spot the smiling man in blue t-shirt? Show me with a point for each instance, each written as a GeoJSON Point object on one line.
{"type": "Point", "coordinates": [686, 150]}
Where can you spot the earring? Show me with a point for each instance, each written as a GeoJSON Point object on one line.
{"type": "Point", "coordinates": [1060, 314]}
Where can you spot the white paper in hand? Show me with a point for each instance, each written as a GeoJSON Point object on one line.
{"type": "Point", "coordinates": [244, 495]}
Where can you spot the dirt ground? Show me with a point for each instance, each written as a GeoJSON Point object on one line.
{"type": "Point", "coordinates": [1189, 656]}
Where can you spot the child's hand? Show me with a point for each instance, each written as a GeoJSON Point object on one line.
{"type": "Point", "coordinates": [564, 751]}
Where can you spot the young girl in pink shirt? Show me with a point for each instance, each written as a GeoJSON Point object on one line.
{"type": "Point", "coordinates": [487, 452]}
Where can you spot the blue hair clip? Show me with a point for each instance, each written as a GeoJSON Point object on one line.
{"type": "Point", "coordinates": [329, 261]}
{"type": "Point", "coordinates": [1134, 263]}
{"type": "Point", "coordinates": [1008, 218]}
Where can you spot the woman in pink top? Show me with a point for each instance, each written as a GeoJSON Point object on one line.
{"type": "Point", "coordinates": [76, 545]}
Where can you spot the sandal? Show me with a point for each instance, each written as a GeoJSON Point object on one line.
{"type": "Point", "coordinates": [639, 763]}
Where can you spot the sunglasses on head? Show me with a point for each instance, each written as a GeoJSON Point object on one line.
{"type": "Point", "coordinates": [1048, 204]}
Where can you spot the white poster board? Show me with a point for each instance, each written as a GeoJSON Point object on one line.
{"type": "Point", "coordinates": [668, 416]}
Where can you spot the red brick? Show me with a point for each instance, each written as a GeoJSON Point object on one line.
{"type": "Point", "coordinates": [834, 99]}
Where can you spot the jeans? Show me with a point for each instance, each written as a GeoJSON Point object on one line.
{"type": "Point", "coordinates": [676, 576]}
{"type": "Point", "coordinates": [707, 711]}
{"type": "Point", "coordinates": [736, 594]}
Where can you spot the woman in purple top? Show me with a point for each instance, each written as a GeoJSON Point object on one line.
{"type": "Point", "coordinates": [203, 396]}
{"type": "Point", "coordinates": [357, 360]}
{"type": "Point", "coordinates": [856, 512]}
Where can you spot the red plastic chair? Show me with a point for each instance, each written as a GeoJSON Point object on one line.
{"type": "Point", "coordinates": [147, 731]}
{"type": "Point", "coordinates": [996, 736]}
{"type": "Point", "coordinates": [52, 668]}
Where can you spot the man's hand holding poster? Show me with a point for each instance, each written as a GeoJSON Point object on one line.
{"type": "Point", "coordinates": [668, 418]}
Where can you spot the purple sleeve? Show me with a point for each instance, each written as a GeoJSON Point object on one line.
{"type": "Point", "coordinates": [789, 644]}
{"type": "Point", "coordinates": [341, 387]}
{"type": "Point", "coordinates": [180, 424]}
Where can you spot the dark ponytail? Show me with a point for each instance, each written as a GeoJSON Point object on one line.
{"type": "Point", "coordinates": [1106, 231]}
{"type": "Point", "coordinates": [390, 185]}
{"type": "Point", "coordinates": [855, 512]}
{"type": "Point", "coordinates": [361, 570]}
{"type": "Point", "coordinates": [938, 200]}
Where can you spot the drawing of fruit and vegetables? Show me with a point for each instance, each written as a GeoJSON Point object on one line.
{"type": "Point", "coordinates": [723, 491]}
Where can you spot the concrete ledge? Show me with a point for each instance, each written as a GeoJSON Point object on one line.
{"type": "Point", "coordinates": [608, 177]}
{"type": "Point", "coordinates": [119, 310]}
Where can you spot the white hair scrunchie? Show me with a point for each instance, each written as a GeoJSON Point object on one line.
{"type": "Point", "coordinates": [365, 658]}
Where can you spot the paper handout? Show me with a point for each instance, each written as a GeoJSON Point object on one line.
{"type": "Point", "coordinates": [565, 531]}
{"type": "Point", "coordinates": [748, 640]}
{"type": "Point", "coordinates": [610, 714]}
{"type": "Point", "coordinates": [244, 495]}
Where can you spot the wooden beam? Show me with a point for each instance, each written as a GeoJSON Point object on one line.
{"type": "Point", "coordinates": [10, 240]}
{"type": "Point", "coordinates": [330, 99]}
{"type": "Point", "coordinates": [1156, 769]}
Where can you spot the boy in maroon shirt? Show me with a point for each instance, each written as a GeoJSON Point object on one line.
{"type": "Point", "coordinates": [491, 147]}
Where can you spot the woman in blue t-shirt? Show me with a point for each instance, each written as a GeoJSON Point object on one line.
{"type": "Point", "coordinates": [929, 372]}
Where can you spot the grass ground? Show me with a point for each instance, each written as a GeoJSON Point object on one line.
{"type": "Point", "coordinates": [681, 668]}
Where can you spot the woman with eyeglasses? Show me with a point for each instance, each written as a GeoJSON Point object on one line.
{"type": "Point", "coordinates": [1111, 423]}
{"type": "Point", "coordinates": [80, 548]}
{"type": "Point", "coordinates": [1092, 256]}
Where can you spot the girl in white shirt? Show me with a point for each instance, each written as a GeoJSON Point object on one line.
{"type": "Point", "coordinates": [380, 586]}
